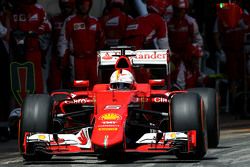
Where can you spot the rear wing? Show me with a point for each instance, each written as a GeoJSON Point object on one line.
{"type": "Point", "coordinates": [150, 58]}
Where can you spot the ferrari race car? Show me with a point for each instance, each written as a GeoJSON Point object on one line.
{"type": "Point", "coordinates": [150, 118]}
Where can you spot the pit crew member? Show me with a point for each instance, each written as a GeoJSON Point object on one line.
{"type": "Point", "coordinates": [31, 19]}
{"type": "Point", "coordinates": [229, 40]}
{"type": "Point", "coordinates": [186, 44]}
{"type": "Point", "coordinates": [58, 79]}
{"type": "Point", "coordinates": [82, 36]}
{"type": "Point", "coordinates": [149, 31]}
{"type": "Point", "coordinates": [114, 23]}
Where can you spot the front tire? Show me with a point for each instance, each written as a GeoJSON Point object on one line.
{"type": "Point", "coordinates": [187, 114]}
{"type": "Point", "coordinates": [36, 117]}
{"type": "Point", "coordinates": [210, 99]}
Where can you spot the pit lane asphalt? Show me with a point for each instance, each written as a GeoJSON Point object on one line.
{"type": "Point", "coordinates": [233, 151]}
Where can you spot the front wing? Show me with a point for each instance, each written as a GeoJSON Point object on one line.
{"type": "Point", "coordinates": [57, 144]}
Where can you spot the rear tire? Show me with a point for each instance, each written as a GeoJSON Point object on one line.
{"type": "Point", "coordinates": [187, 114]}
{"type": "Point", "coordinates": [210, 100]}
{"type": "Point", "coordinates": [36, 117]}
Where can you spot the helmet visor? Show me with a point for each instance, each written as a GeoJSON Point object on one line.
{"type": "Point", "coordinates": [120, 86]}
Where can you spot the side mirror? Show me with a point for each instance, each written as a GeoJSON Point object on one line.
{"type": "Point", "coordinates": [81, 83]}
{"type": "Point", "coordinates": [157, 82]}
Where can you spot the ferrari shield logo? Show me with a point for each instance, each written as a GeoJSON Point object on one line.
{"type": "Point", "coordinates": [22, 77]}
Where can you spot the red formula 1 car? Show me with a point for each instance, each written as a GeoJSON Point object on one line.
{"type": "Point", "coordinates": [150, 118]}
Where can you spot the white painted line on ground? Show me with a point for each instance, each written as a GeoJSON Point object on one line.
{"type": "Point", "coordinates": [11, 161]}
{"type": "Point", "coordinates": [148, 165]}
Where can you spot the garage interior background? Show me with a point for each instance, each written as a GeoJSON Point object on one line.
{"type": "Point", "coordinates": [51, 6]}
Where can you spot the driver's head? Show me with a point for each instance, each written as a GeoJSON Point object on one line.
{"type": "Point", "coordinates": [83, 6]}
{"type": "Point", "coordinates": [67, 6]}
{"type": "Point", "coordinates": [122, 80]}
{"type": "Point", "coordinates": [180, 8]}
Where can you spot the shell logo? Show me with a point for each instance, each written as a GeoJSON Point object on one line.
{"type": "Point", "coordinates": [41, 137]}
{"type": "Point", "coordinates": [110, 117]}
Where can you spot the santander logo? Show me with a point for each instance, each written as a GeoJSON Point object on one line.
{"type": "Point", "coordinates": [151, 56]}
{"type": "Point", "coordinates": [140, 55]}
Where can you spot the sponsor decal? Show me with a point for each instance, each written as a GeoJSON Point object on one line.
{"type": "Point", "coordinates": [109, 122]}
{"type": "Point", "coordinates": [110, 117]}
{"type": "Point", "coordinates": [77, 101]}
{"type": "Point", "coordinates": [141, 56]}
{"type": "Point", "coordinates": [73, 95]}
{"type": "Point", "coordinates": [22, 17]}
{"type": "Point", "coordinates": [82, 138]}
{"type": "Point", "coordinates": [132, 27]}
{"type": "Point", "coordinates": [108, 129]}
{"type": "Point", "coordinates": [171, 135]}
{"type": "Point", "coordinates": [108, 126]}
{"type": "Point", "coordinates": [154, 99]}
{"type": "Point", "coordinates": [41, 137]}
{"type": "Point", "coordinates": [107, 57]}
{"type": "Point", "coordinates": [159, 100]}
{"type": "Point", "coordinates": [79, 26]}
{"type": "Point", "coordinates": [152, 56]}
{"type": "Point", "coordinates": [112, 107]}
{"type": "Point", "coordinates": [113, 22]}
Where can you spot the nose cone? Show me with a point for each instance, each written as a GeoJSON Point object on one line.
{"type": "Point", "coordinates": [108, 130]}
{"type": "Point", "coordinates": [110, 120]}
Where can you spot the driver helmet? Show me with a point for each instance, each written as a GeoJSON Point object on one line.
{"type": "Point", "coordinates": [122, 80]}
